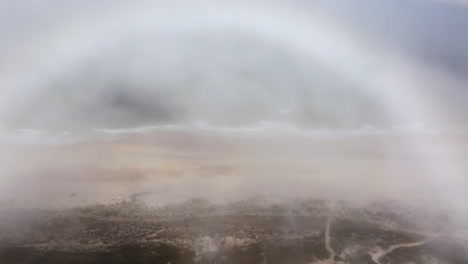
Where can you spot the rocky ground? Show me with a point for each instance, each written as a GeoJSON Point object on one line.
{"type": "Point", "coordinates": [249, 231]}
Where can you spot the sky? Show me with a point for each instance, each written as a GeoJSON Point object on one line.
{"type": "Point", "coordinates": [88, 65]}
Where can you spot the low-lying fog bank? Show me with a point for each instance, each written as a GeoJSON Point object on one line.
{"type": "Point", "coordinates": [173, 166]}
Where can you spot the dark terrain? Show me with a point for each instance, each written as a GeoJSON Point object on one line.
{"type": "Point", "coordinates": [252, 231]}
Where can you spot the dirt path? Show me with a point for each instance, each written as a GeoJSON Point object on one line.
{"type": "Point", "coordinates": [329, 247]}
{"type": "Point", "coordinates": [376, 256]}
{"type": "Point", "coordinates": [328, 240]}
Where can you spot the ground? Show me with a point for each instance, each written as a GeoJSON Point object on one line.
{"type": "Point", "coordinates": [248, 231]}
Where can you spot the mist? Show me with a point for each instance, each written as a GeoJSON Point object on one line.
{"type": "Point", "coordinates": [167, 106]}
{"type": "Point", "coordinates": [108, 66]}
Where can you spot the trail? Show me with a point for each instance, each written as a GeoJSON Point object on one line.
{"type": "Point", "coordinates": [376, 256]}
{"type": "Point", "coordinates": [330, 249]}
{"type": "Point", "coordinates": [328, 241]}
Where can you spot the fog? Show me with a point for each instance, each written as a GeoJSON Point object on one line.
{"type": "Point", "coordinates": [352, 96]}
{"type": "Point", "coordinates": [233, 108]}
{"type": "Point", "coordinates": [324, 64]}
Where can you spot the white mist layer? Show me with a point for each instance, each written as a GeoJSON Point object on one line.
{"type": "Point", "coordinates": [130, 85]}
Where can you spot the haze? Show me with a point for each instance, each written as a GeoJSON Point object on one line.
{"type": "Point", "coordinates": [228, 99]}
